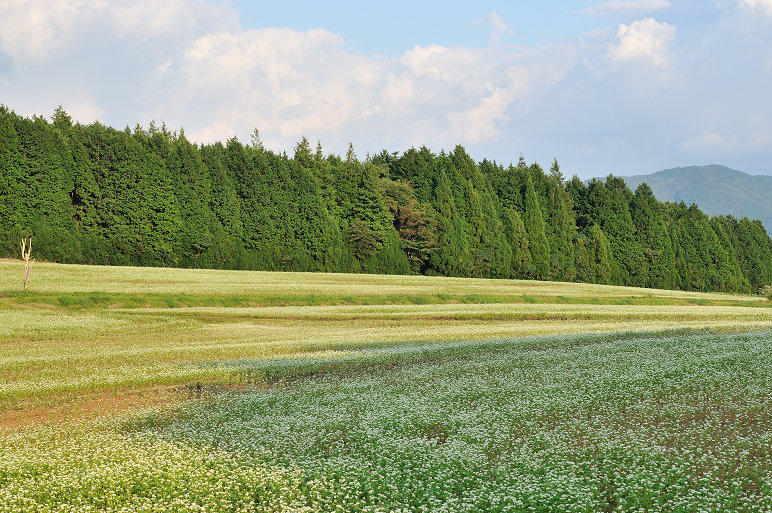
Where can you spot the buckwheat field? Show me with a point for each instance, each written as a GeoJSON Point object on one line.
{"type": "Point", "coordinates": [125, 389]}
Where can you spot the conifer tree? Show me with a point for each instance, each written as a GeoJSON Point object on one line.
{"type": "Point", "coordinates": [577, 192]}
{"type": "Point", "coordinates": [508, 185]}
{"type": "Point", "coordinates": [732, 277]}
{"type": "Point", "coordinates": [537, 237]}
{"type": "Point", "coordinates": [754, 251]}
{"type": "Point", "coordinates": [658, 264]}
{"type": "Point", "coordinates": [193, 189]}
{"type": "Point", "coordinates": [419, 168]}
{"type": "Point", "coordinates": [159, 221]}
{"type": "Point", "coordinates": [44, 189]}
{"type": "Point", "coordinates": [314, 238]}
{"type": "Point", "coordinates": [11, 183]}
{"type": "Point", "coordinates": [701, 261]}
{"type": "Point", "coordinates": [561, 228]}
{"type": "Point", "coordinates": [227, 228]}
{"type": "Point", "coordinates": [361, 208]}
{"type": "Point", "coordinates": [478, 246]}
{"type": "Point", "coordinates": [500, 249]}
{"type": "Point", "coordinates": [518, 239]}
{"type": "Point", "coordinates": [617, 224]}
{"type": "Point", "coordinates": [599, 252]}
{"type": "Point", "coordinates": [258, 183]}
{"type": "Point", "coordinates": [303, 156]}
{"type": "Point", "coordinates": [555, 174]}
{"type": "Point", "coordinates": [451, 258]}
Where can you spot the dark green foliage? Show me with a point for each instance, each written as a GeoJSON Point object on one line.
{"type": "Point", "coordinates": [490, 250]}
{"type": "Point", "coordinates": [754, 252]}
{"type": "Point", "coordinates": [608, 205]}
{"type": "Point", "coordinates": [578, 194]}
{"type": "Point", "coordinates": [734, 280]}
{"type": "Point", "coordinates": [561, 228]}
{"type": "Point", "coordinates": [415, 222]}
{"type": "Point", "coordinates": [193, 188]}
{"type": "Point", "coordinates": [415, 166]}
{"type": "Point", "coordinates": [93, 194]}
{"type": "Point", "coordinates": [390, 258]}
{"type": "Point", "coordinates": [362, 239]}
{"type": "Point", "coordinates": [541, 264]}
{"type": "Point", "coordinates": [143, 218]}
{"type": "Point", "coordinates": [451, 258]}
{"type": "Point", "coordinates": [11, 184]}
{"type": "Point", "coordinates": [516, 235]}
{"type": "Point", "coordinates": [227, 226]}
{"type": "Point", "coordinates": [361, 208]}
{"type": "Point", "coordinates": [658, 264]}
{"type": "Point", "coordinates": [599, 253]}
{"type": "Point", "coordinates": [702, 263]}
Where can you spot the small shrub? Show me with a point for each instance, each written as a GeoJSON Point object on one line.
{"type": "Point", "coordinates": [766, 291]}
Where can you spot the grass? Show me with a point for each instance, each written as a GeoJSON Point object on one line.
{"type": "Point", "coordinates": [317, 392]}
{"type": "Point", "coordinates": [87, 329]}
{"type": "Point", "coordinates": [124, 282]}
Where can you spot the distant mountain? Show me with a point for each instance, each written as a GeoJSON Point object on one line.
{"type": "Point", "coordinates": [715, 189]}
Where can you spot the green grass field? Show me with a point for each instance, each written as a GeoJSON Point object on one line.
{"type": "Point", "coordinates": [145, 389]}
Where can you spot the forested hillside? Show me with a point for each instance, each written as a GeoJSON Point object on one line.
{"type": "Point", "coordinates": [93, 194]}
{"type": "Point", "coordinates": [716, 189]}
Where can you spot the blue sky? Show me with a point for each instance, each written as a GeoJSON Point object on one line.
{"type": "Point", "coordinates": [391, 28]}
{"type": "Point", "coordinates": [621, 86]}
{"type": "Point", "coordinates": [395, 27]}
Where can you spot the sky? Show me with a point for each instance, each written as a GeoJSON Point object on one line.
{"type": "Point", "coordinates": [620, 86]}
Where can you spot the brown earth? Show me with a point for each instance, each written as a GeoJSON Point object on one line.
{"type": "Point", "coordinates": [66, 409]}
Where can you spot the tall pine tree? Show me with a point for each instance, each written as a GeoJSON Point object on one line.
{"type": "Point", "coordinates": [541, 263]}
{"type": "Point", "coordinates": [658, 263]}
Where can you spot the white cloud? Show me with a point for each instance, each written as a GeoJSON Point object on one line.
{"type": "Point", "coordinates": [709, 140]}
{"type": "Point", "coordinates": [480, 123]}
{"type": "Point", "coordinates": [291, 82]}
{"type": "Point", "coordinates": [297, 83]}
{"type": "Point", "coordinates": [34, 29]}
{"type": "Point", "coordinates": [420, 60]}
{"type": "Point", "coordinates": [754, 5]}
{"type": "Point", "coordinates": [643, 39]}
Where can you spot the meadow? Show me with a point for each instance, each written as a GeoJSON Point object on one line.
{"type": "Point", "coordinates": [149, 389]}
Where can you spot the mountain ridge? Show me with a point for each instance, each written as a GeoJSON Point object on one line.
{"type": "Point", "coordinates": [715, 188]}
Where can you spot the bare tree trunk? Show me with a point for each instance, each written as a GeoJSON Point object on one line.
{"type": "Point", "coordinates": [26, 249]}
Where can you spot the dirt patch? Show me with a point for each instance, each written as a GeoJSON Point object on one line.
{"type": "Point", "coordinates": [63, 409]}
{"type": "Point", "coordinates": [71, 408]}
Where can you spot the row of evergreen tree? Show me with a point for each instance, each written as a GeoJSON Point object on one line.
{"type": "Point", "coordinates": [93, 194]}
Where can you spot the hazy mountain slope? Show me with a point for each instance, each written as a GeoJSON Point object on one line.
{"type": "Point", "coordinates": [715, 189]}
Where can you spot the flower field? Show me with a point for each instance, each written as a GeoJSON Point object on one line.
{"type": "Point", "coordinates": [573, 423]}
{"type": "Point", "coordinates": [372, 393]}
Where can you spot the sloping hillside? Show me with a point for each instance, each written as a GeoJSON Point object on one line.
{"type": "Point", "coordinates": [715, 189]}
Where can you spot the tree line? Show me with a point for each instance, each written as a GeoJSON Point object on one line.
{"type": "Point", "coordinates": [94, 194]}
